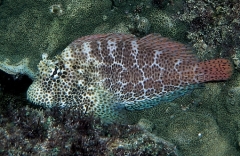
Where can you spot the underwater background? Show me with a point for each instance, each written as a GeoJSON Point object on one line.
{"type": "Point", "coordinates": [205, 122]}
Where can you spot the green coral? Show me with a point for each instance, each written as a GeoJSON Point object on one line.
{"type": "Point", "coordinates": [48, 27]}
{"type": "Point", "coordinates": [195, 133]}
{"type": "Point", "coordinates": [205, 122]}
{"type": "Point", "coordinates": [32, 29]}
{"type": "Point", "coordinates": [163, 23]}
{"type": "Point", "coordinates": [204, 128]}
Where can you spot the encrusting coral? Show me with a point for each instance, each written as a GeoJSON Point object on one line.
{"type": "Point", "coordinates": [62, 22]}
{"type": "Point", "coordinates": [28, 31]}
{"type": "Point", "coordinates": [21, 67]}
{"type": "Point", "coordinates": [214, 26]}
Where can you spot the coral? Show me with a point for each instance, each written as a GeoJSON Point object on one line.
{"type": "Point", "coordinates": [233, 100]}
{"type": "Point", "coordinates": [32, 131]}
{"type": "Point", "coordinates": [143, 25]}
{"type": "Point", "coordinates": [21, 67]}
{"type": "Point", "coordinates": [210, 125]}
{"type": "Point", "coordinates": [56, 9]}
{"type": "Point", "coordinates": [132, 6]}
{"type": "Point", "coordinates": [146, 124]}
{"type": "Point", "coordinates": [105, 28]}
{"type": "Point", "coordinates": [146, 16]}
{"type": "Point", "coordinates": [144, 144]}
{"type": "Point", "coordinates": [140, 25]}
{"type": "Point", "coordinates": [199, 131]}
{"type": "Point", "coordinates": [65, 21]}
{"type": "Point", "coordinates": [235, 55]}
{"type": "Point", "coordinates": [233, 96]}
{"type": "Point", "coordinates": [214, 26]}
{"type": "Point", "coordinates": [28, 31]}
{"type": "Point", "coordinates": [167, 24]}
{"type": "Point", "coordinates": [161, 3]}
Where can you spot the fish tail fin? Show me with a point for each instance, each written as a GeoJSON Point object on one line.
{"type": "Point", "coordinates": [214, 70]}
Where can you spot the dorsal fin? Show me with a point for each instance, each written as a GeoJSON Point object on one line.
{"type": "Point", "coordinates": [106, 37]}
{"type": "Point", "coordinates": [166, 45]}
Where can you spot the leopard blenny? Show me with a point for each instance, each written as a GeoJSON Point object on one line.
{"type": "Point", "coordinates": [110, 73]}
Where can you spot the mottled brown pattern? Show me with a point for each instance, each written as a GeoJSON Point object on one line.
{"type": "Point", "coordinates": [156, 64]}
{"type": "Point", "coordinates": [108, 72]}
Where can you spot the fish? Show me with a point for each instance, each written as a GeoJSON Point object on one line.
{"type": "Point", "coordinates": [107, 74]}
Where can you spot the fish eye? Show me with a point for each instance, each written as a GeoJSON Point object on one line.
{"type": "Point", "coordinates": [55, 74]}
